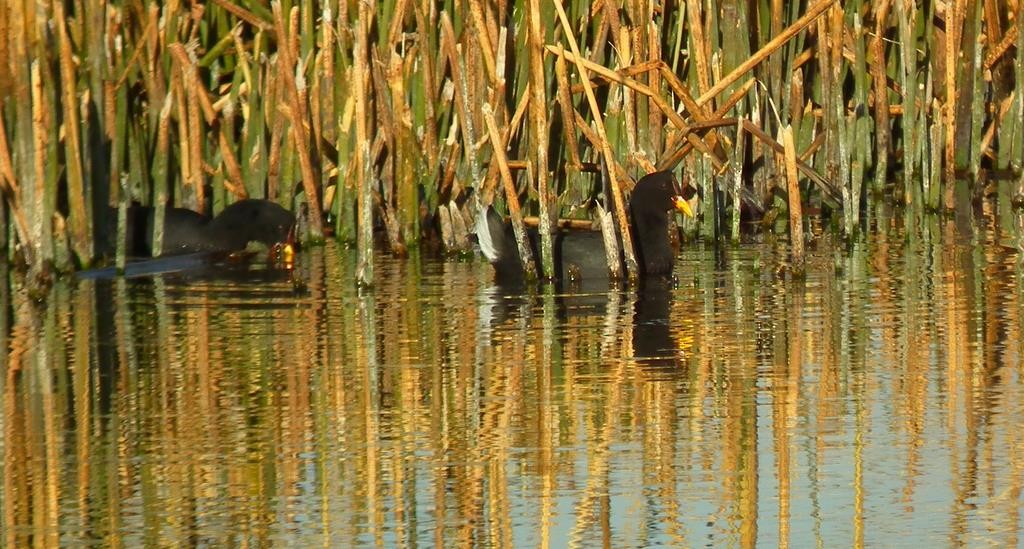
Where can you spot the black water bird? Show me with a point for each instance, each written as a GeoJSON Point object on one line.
{"type": "Point", "coordinates": [579, 254]}
{"type": "Point", "coordinates": [186, 231]}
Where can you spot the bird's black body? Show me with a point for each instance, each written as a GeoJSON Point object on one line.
{"type": "Point", "coordinates": [579, 254]}
{"type": "Point", "coordinates": [186, 231]}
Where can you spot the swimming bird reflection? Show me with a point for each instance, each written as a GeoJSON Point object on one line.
{"type": "Point", "coordinates": [655, 344]}
{"type": "Point", "coordinates": [639, 318]}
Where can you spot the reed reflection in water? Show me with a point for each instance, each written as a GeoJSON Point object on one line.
{"type": "Point", "coordinates": [877, 401]}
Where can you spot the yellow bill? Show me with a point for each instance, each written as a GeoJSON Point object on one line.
{"type": "Point", "coordinates": [682, 205]}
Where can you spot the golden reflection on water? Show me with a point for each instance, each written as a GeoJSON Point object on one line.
{"type": "Point", "coordinates": [877, 401]}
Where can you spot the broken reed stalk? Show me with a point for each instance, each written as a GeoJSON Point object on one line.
{"type": "Point", "coordinates": [977, 112]}
{"type": "Point", "coordinates": [611, 243]}
{"type": "Point", "coordinates": [277, 131]}
{"type": "Point", "coordinates": [429, 87]}
{"type": "Point", "coordinates": [654, 81]}
{"type": "Point", "coordinates": [483, 39]}
{"type": "Point", "coordinates": [906, 17]}
{"type": "Point", "coordinates": [41, 228]}
{"type": "Point", "coordinates": [462, 102]}
{"type": "Point", "coordinates": [701, 49]}
{"type": "Point", "coordinates": [324, 67]}
{"type": "Point", "coordinates": [486, 187]}
{"type": "Point", "coordinates": [196, 138]}
{"type": "Point", "coordinates": [233, 182]}
{"type": "Point", "coordinates": [160, 180]}
{"type": "Point", "coordinates": [954, 27]}
{"type": "Point", "coordinates": [511, 196]}
{"type": "Point", "coordinates": [859, 130]}
{"type": "Point", "coordinates": [624, 54]}
{"type": "Point", "coordinates": [251, 140]}
{"type": "Point", "coordinates": [10, 189]}
{"type": "Point", "coordinates": [629, 254]}
{"type": "Point", "coordinates": [881, 91]}
{"type": "Point", "coordinates": [1015, 131]}
{"type": "Point", "coordinates": [566, 109]}
{"type": "Point", "coordinates": [364, 173]}
{"type": "Point", "coordinates": [121, 248]}
{"type": "Point", "coordinates": [737, 182]}
{"type": "Point", "coordinates": [796, 231]}
{"type": "Point", "coordinates": [538, 135]}
{"type": "Point", "coordinates": [405, 156]}
{"type": "Point", "coordinates": [295, 90]}
{"type": "Point", "coordinates": [80, 220]}
{"type": "Point", "coordinates": [838, 149]}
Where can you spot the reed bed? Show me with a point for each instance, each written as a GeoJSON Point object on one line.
{"type": "Point", "coordinates": [404, 116]}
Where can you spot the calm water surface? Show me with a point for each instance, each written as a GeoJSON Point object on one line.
{"type": "Point", "coordinates": [878, 401]}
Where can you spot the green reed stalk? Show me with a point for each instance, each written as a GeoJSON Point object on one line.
{"type": "Point", "coordinates": [160, 180]}
{"type": "Point", "coordinates": [932, 166]}
{"type": "Point", "coordinates": [829, 58]}
{"type": "Point", "coordinates": [737, 182]}
{"type": "Point", "coordinates": [346, 190]}
{"type": "Point", "coordinates": [735, 49]}
{"type": "Point", "coordinates": [253, 150]}
{"type": "Point", "coordinates": [858, 126]}
{"type": "Point", "coordinates": [929, 111]}
{"type": "Point", "coordinates": [776, 102]}
{"type": "Point", "coordinates": [1011, 132]}
{"type": "Point", "coordinates": [406, 156]}
{"type": "Point", "coordinates": [121, 246]}
{"type": "Point", "coordinates": [216, 53]}
{"type": "Point", "coordinates": [907, 20]}
{"type": "Point", "coordinates": [138, 157]}
{"type": "Point", "coordinates": [621, 115]}
{"type": "Point", "coordinates": [425, 93]}
{"type": "Point", "coordinates": [681, 16]}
